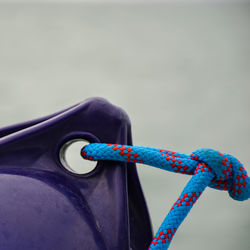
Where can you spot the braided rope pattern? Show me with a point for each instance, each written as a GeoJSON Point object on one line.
{"type": "Point", "coordinates": [208, 167]}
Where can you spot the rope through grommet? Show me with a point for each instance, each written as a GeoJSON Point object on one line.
{"type": "Point", "coordinates": [208, 167]}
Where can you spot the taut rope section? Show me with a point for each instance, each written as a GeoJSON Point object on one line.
{"type": "Point", "coordinates": [208, 167]}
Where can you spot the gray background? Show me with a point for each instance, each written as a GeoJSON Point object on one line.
{"type": "Point", "coordinates": [181, 71]}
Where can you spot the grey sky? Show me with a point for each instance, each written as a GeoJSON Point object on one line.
{"type": "Point", "coordinates": [125, 1]}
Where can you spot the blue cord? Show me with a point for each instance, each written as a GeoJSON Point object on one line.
{"type": "Point", "coordinates": [208, 167]}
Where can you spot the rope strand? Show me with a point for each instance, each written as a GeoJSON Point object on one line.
{"type": "Point", "coordinates": [208, 167]}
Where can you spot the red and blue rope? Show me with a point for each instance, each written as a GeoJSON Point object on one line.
{"type": "Point", "coordinates": [208, 167]}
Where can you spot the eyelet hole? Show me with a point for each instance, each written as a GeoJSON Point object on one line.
{"type": "Point", "coordinates": [71, 159]}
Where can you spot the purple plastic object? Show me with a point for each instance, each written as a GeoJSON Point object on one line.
{"type": "Point", "coordinates": [46, 207]}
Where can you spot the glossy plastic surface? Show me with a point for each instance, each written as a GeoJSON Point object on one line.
{"type": "Point", "coordinates": [44, 206]}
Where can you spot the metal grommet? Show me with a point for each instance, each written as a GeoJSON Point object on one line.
{"type": "Point", "coordinates": [71, 158]}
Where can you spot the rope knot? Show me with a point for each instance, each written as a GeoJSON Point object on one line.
{"type": "Point", "coordinates": [229, 172]}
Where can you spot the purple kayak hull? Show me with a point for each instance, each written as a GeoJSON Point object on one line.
{"type": "Point", "coordinates": [44, 206]}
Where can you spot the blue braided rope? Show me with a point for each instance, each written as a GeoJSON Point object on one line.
{"type": "Point", "coordinates": [208, 167]}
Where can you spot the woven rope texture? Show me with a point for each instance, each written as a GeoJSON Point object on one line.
{"type": "Point", "coordinates": [208, 167]}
